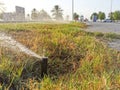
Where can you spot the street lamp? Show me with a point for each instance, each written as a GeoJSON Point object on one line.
{"type": "Point", "coordinates": [72, 9]}
{"type": "Point", "coordinates": [111, 10]}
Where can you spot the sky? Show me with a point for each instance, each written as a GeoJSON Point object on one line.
{"type": "Point", "coordinates": [82, 7]}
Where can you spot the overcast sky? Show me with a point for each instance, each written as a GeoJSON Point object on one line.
{"type": "Point", "coordinates": [82, 7]}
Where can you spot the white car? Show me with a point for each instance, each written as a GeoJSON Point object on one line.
{"type": "Point", "coordinates": [107, 20]}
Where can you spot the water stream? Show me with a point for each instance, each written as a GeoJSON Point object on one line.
{"type": "Point", "coordinates": [9, 42]}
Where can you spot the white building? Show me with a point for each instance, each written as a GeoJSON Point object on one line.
{"type": "Point", "coordinates": [18, 15]}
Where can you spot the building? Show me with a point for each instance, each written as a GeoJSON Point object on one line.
{"type": "Point", "coordinates": [18, 15]}
{"type": "Point", "coordinates": [8, 16]}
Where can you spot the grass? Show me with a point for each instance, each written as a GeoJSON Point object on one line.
{"type": "Point", "coordinates": [77, 60]}
{"type": "Point", "coordinates": [107, 36]}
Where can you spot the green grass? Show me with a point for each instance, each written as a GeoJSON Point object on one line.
{"type": "Point", "coordinates": [106, 35]}
{"type": "Point", "coordinates": [112, 36]}
{"type": "Point", "coordinates": [77, 60]}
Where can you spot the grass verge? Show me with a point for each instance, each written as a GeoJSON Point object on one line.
{"type": "Point", "coordinates": [77, 60]}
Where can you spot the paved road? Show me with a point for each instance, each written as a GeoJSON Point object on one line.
{"type": "Point", "coordinates": [104, 27]}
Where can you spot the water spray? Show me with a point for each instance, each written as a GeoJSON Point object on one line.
{"type": "Point", "coordinates": [9, 42]}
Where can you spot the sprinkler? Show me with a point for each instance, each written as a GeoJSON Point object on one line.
{"type": "Point", "coordinates": [44, 64]}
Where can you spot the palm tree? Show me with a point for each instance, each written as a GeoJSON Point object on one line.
{"type": "Point", "coordinates": [2, 7]}
{"type": "Point", "coordinates": [34, 14]}
{"type": "Point", "coordinates": [57, 13]}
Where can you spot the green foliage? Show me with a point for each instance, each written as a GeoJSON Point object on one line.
{"type": "Point", "coordinates": [112, 36]}
{"type": "Point", "coordinates": [75, 16]}
{"type": "Point", "coordinates": [93, 14]}
{"type": "Point", "coordinates": [116, 15]}
{"type": "Point", "coordinates": [98, 34]}
{"type": "Point", "coordinates": [101, 15]}
{"type": "Point", "coordinates": [104, 35]}
{"type": "Point", "coordinates": [110, 15]}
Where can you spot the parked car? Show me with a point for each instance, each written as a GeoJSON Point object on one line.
{"type": "Point", "coordinates": [107, 20]}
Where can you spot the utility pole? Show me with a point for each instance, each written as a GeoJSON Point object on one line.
{"type": "Point", "coordinates": [111, 10]}
{"type": "Point", "coordinates": [72, 9]}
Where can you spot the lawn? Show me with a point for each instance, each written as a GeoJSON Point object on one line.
{"type": "Point", "coordinates": [78, 60]}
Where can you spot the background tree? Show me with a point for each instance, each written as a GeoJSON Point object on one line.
{"type": "Point", "coordinates": [75, 16]}
{"type": "Point", "coordinates": [93, 14]}
{"type": "Point", "coordinates": [34, 14]}
{"type": "Point", "coordinates": [101, 15]}
{"type": "Point", "coordinates": [110, 15]}
{"type": "Point", "coordinates": [43, 15]}
{"type": "Point", "coordinates": [28, 17]}
{"type": "Point", "coordinates": [116, 15]}
{"type": "Point", "coordinates": [2, 8]}
{"type": "Point", "coordinates": [57, 13]}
